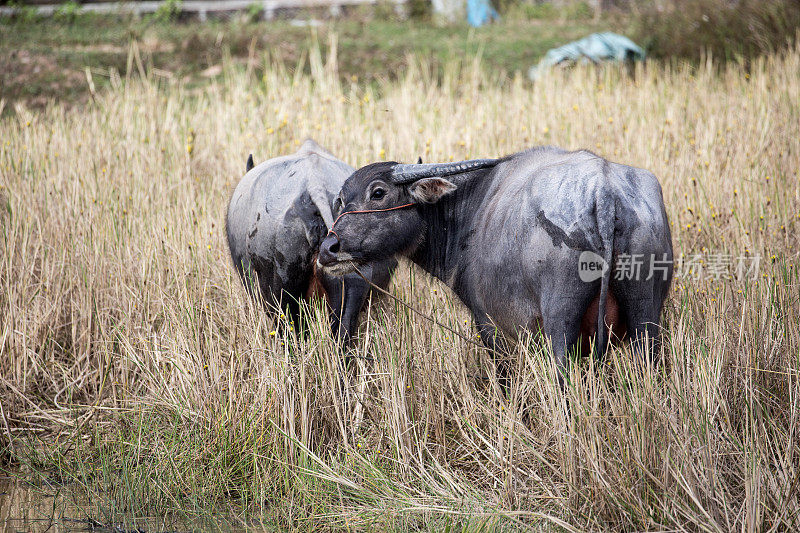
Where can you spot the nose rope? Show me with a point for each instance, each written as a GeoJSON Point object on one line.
{"type": "Point", "coordinates": [331, 231]}
{"type": "Point", "coordinates": [387, 293]}
{"type": "Point", "coordinates": [417, 311]}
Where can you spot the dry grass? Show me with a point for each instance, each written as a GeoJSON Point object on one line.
{"type": "Point", "coordinates": [133, 365]}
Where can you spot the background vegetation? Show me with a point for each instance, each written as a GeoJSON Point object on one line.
{"type": "Point", "coordinates": [42, 59]}
{"type": "Point", "coordinates": [134, 368]}
{"type": "Point", "coordinates": [718, 28]}
{"type": "Point", "coordinates": [47, 59]}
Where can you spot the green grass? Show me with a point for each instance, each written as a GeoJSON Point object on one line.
{"type": "Point", "coordinates": [45, 60]}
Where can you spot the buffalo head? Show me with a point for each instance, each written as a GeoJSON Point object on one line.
{"type": "Point", "coordinates": [378, 210]}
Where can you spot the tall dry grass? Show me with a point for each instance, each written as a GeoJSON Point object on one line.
{"type": "Point", "coordinates": [133, 365]}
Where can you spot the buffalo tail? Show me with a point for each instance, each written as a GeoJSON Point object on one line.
{"type": "Point", "coordinates": [606, 215]}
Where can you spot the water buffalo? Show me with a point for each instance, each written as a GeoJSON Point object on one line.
{"type": "Point", "coordinates": [279, 213]}
{"type": "Point", "coordinates": [528, 241]}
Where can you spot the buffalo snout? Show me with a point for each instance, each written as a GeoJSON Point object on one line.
{"type": "Point", "coordinates": [328, 250]}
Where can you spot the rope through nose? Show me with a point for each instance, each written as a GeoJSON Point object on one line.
{"type": "Point", "coordinates": [331, 231]}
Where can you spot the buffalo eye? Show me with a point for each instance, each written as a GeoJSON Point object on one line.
{"type": "Point", "coordinates": [377, 194]}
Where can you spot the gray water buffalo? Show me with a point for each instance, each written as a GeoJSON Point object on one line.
{"type": "Point", "coordinates": [538, 239]}
{"type": "Point", "coordinates": [277, 217]}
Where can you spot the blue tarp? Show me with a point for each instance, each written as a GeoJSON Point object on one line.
{"type": "Point", "coordinates": [480, 12]}
{"type": "Point", "coordinates": [596, 47]}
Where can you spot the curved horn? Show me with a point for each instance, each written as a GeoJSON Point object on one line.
{"type": "Point", "coordinates": [409, 173]}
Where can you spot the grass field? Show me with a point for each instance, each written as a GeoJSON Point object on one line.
{"type": "Point", "coordinates": [46, 60]}
{"type": "Point", "coordinates": [134, 369]}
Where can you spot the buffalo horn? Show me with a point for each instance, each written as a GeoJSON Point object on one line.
{"type": "Point", "coordinates": [409, 173]}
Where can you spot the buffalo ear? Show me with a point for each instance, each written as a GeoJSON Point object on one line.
{"type": "Point", "coordinates": [430, 190]}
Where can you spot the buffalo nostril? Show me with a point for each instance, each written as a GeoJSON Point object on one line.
{"type": "Point", "coordinates": [328, 250]}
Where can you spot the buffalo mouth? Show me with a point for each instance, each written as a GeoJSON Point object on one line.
{"type": "Point", "coordinates": [339, 267]}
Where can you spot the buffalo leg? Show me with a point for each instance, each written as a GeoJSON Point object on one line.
{"type": "Point", "coordinates": [289, 306]}
{"type": "Point", "coordinates": [334, 297]}
{"type": "Point", "coordinates": [564, 336]}
{"type": "Point", "coordinates": [259, 273]}
{"type": "Point", "coordinates": [498, 349]}
{"type": "Point", "coordinates": [346, 297]}
{"type": "Point", "coordinates": [642, 308]}
{"type": "Point", "coordinates": [561, 323]}
{"type": "Point", "coordinates": [356, 291]}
